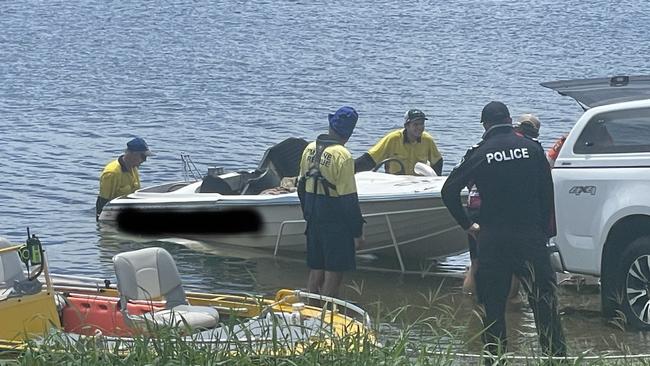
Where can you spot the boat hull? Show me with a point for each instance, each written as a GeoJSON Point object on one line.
{"type": "Point", "coordinates": [405, 217]}
{"type": "Point", "coordinates": [426, 230]}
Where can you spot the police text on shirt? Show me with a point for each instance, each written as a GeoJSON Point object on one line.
{"type": "Point", "coordinates": [505, 155]}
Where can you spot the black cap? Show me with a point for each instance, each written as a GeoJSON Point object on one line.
{"type": "Point", "coordinates": [414, 115]}
{"type": "Point", "coordinates": [495, 113]}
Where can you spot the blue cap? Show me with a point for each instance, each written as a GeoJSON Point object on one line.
{"type": "Point", "coordinates": [343, 121]}
{"type": "Point", "coordinates": [139, 145]}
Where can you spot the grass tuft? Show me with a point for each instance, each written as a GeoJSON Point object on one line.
{"type": "Point", "coordinates": [427, 333]}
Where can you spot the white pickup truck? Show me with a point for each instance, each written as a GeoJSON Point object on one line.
{"type": "Point", "coordinates": [602, 193]}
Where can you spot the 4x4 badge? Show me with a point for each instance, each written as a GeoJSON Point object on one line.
{"type": "Point", "coordinates": [577, 190]}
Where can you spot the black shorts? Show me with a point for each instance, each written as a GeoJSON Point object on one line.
{"type": "Point", "coordinates": [330, 248]}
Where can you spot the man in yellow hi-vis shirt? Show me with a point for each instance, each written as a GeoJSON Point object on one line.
{"type": "Point", "coordinates": [121, 176]}
{"type": "Point", "coordinates": [330, 205]}
{"type": "Point", "coordinates": [405, 147]}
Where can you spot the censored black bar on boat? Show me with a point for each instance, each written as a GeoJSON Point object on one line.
{"type": "Point", "coordinates": [234, 221]}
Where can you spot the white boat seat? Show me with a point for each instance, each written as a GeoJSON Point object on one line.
{"type": "Point", "coordinates": [198, 317]}
{"type": "Point", "coordinates": [11, 268]}
{"type": "Point", "coordinates": [151, 273]}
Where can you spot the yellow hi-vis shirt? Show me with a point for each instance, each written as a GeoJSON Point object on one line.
{"type": "Point", "coordinates": [336, 165]}
{"type": "Point", "coordinates": [115, 182]}
{"type": "Point", "coordinates": [395, 145]}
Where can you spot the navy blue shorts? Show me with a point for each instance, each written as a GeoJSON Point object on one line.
{"type": "Point", "coordinates": [330, 248]}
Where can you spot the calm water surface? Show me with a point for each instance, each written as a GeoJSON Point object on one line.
{"type": "Point", "coordinates": [223, 81]}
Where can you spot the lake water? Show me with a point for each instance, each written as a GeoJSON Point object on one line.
{"type": "Point", "coordinates": [222, 81]}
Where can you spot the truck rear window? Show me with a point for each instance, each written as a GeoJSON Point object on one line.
{"type": "Point", "coordinates": [625, 131]}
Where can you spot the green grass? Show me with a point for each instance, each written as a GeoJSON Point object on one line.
{"type": "Point", "coordinates": [427, 333]}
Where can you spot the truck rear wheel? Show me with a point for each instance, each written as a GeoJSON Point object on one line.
{"type": "Point", "coordinates": [633, 283]}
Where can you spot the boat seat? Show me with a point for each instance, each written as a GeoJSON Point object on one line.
{"type": "Point", "coordinates": [198, 317]}
{"type": "Point", "coordinates": [284, 157]}
{"type": "Point", "coordinates": [149, 274]}
{"type": "Point", "coordinates": [212, 184]}
{"type": "Point", "coordinates": [268, 179]}
{"type": "Point", "coordinates": [11, 268]}
{"type": "Point", "coordinates": [279, 161]}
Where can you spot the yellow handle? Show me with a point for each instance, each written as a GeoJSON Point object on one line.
{"type": "Point", "coordinates": [11, 249]}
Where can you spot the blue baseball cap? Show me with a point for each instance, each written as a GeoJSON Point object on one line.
{"type": "Point", "coordinates": [343, 121]}
{"type": "Point", "coordinates": [139, 145]}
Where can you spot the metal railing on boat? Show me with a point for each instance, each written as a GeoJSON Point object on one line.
{"type": "Point", "coordinates": [387, 215]}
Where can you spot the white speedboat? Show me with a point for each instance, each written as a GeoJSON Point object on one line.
{"type": "Point", "coordinates": [405, 216]}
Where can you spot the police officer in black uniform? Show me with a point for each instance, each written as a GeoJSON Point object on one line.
{"type": "Point", "coordinates": [514, 179]}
